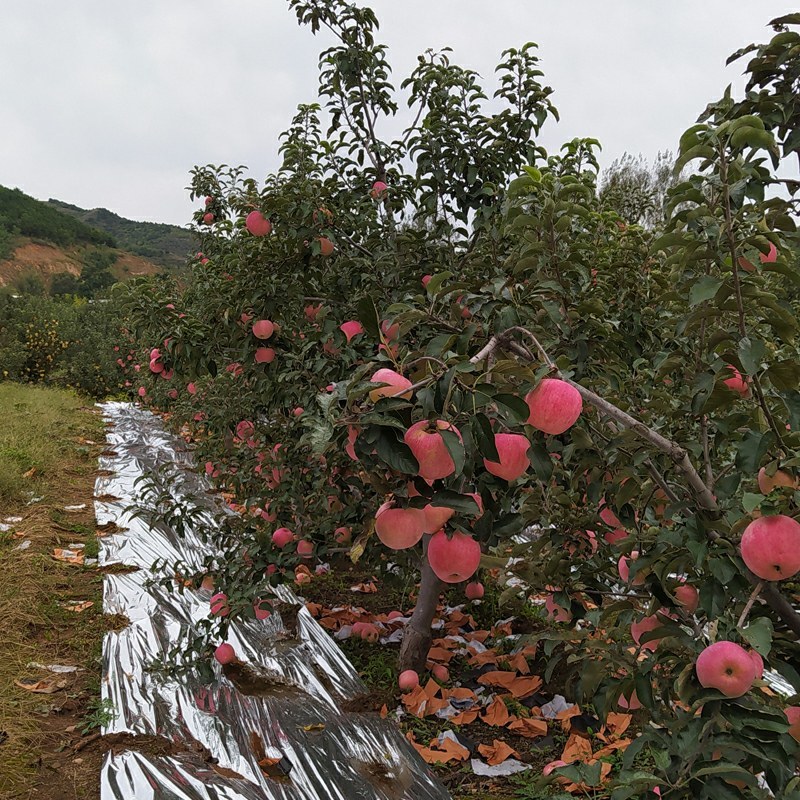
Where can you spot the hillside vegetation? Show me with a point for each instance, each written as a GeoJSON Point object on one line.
{"type": "Point", "coordinates": [165, 245]}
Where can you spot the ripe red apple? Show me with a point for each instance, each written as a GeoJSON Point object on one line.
{"type": "Point", "coordinates": [282, 537]}
{"type": "Point", "coordinates": [758, 663]}
{"type": "Point", "coordinates": [556, 612]}
{"type": "Point", "coordinates": [436, 517]}
{"type": "Point", "coordinates": [219, 605]}
{"type": "Point", "coordinates": [265, 355]}
{"type": "Point", "coordinates": [263, 329]}
{"type": "Point", "coordinates": [623, 565]}
{"type": "Point", "coordinates": [191, 388]}
{"type": "Point", "coordinates": [408, 680]}
{"type": "Point", "coordinates": [225, 654]}
{"type": "Point", "coordinates": [736, 383]}
{"type": "Point", "coordinates": [245, 429]}
{"type": "Point", "coordinates": [378, 190]}
{"type": "Point", "coordinates": [172, 394]}
{"type": "Point", "coordinates": [341, 535]}
{"type": "Point", "coordinates": [426, 279]}
{"type": "Point", "coordinates": [688, 597]}
{"type": "Point", "coordinates": [399, 528]}
{"type": "Point", "coordinates": [630, 703]}
{"type": "Point", "coordinates": [513, 451]}
{"type": "Point", "coordinates": [350, 447]}
{"type": "Point", "coordinates": [441, 673]}
{"type": "Point", "coordinates": [766, 483]}
{"type": "Point", "coordinates": [554, 405]}
{"type": "Point", "coordinates": [208, 218]}
{"type": "Point", "coordinates": [326, 246]}
{"type": "Point", "coordinates": [305, 548]}
{"type": "Point", "coordinates": [311, 312]}
{"type": "Point", "coordinates": [727, 667]}
{"type": "Point", "coordinates": [390, 330]}
{"type": "Point", "coordinates": [257, 224]}
{"type": "Point", "coordinates": [262, 608]}
{"type": "Point", "coordinates": [156, 366]}
{"type": "Point", "coordinates": [793, 717]}
{"type": "Point", "coordinates": [396, 385]}
{"type": "Point", "coordinates": [369, 633]}
{"type": "Point", "coordinates": [426, 443]}
{"type": "Point", "coordinates": [167, 374]}
{"type": "Point", "coordinates": [141, 391]}
{"type": "Point", "coordinates": [770, 257]}
{"type": "Point", "coordinates": [474, 590]}
{"type": "Point", "coordinates": [771, 547]}
{"type": "Point", "coordinates": [645, 625]}
{"type": "Point", "coordinates": [351, 329]}
{"type": "Point", "coordinates": [456, 559]}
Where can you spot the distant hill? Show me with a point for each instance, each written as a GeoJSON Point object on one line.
{"type": "Point", "coordinates": [49, 247]}
{"type": "Point", "coordinates": [165, 245]}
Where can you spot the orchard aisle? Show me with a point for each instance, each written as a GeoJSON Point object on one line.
{"type": "Point", "coordinates": [282, 733]}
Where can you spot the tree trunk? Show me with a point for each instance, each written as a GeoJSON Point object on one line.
{"type": "Point", "coordinates": [418, 636]}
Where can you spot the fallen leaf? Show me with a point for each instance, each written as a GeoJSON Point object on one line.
{"type": "Point", "coordinates": [496, 713]}
{"type": "Point", "coordinates": [577, 748]}
{"type": "Point", "coordinates": [497, 752]}
{"type": "Point", "coordinates": [529, 727]}
{"type": "Point", "coordinates": [617, 723]}
{"type": "Point", "coordinates": [68, 556]}
{"type": "Point", "coordinates": [79, 606]}
{"type": "Point", "coordinates": [44, 686]}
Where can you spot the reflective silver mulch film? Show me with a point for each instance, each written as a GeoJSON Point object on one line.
{"type": "Point", "coordinates": [307, 747]}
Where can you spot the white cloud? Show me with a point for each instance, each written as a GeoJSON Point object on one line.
{"type": "Point", "coordinates": [111, 104]}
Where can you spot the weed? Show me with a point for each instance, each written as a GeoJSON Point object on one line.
{"type": "Point", "coordinates": [99, 714]}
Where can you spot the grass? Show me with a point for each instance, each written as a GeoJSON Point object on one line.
{"type": "Point", "coordinates": [47, 431]}
{"type": "Point", "coordinates": [37, 435]}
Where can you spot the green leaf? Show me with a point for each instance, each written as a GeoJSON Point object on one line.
{"type": "Point", "coordinates": [751, 353]}
{"type": "Point", "coordinates": [784, 375]}
{"type": "Point", "coordinates": [541, 462]}
{"type": "Point", "coordinates": [395, 452]}
{"type": "Point", "coordinates": [513, 407]}
{"type": "Point", "coordinates": [484, 436]}
{"type": "Point", "coordinates": [455, 448]}
{"type": "Point", "coordinates": [751, 500]}
{"type": "Point", "coordinates": [759, 634]}
{"type": "Point", "coordinates": [704, 289]}
{"type": "Point", "coordinates": [461, 503]}
{"type": "Point", "coordinates": [368, 316]}
{"type": "Point", "coordinates": [752, 450]}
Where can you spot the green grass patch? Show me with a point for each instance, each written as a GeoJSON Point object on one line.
{"type": "Point", "coordinates": [39, 432]}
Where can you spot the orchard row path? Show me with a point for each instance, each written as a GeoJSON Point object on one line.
{"type": "Point", "coordinates": [271, 726]}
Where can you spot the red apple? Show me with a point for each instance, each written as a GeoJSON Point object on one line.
{"type": "Point", "coordinates": [623, 565]}
{"type": "Point", "coordinates": [265, 355]}
{"type": "Point", "coordinates": [219, 605]}
{"type": "Point", "coordinates": [736, 383]}
{"type": "Point", "coordinates": [350, 447]}
{"type": "Point", "coordinates": [399, 528]}
{"type": "Point", "coordinates": [426, 443]}
{"type": "Point", "coordinates": [436, 517]}
{"type": "Point", "coordinates": [396, 385]}
{"type": "Point", "coordinates": [426, 279]}
{"type": "Point", "coordinates": [474, 590]}
{"type": "Point", "coordinates": [341, 535]}
{"type": "Point", "coordinates": [408, 680]}
{"type": "Point", "coordinates": [441, 673]}
{"type": "Point", "coordinates": [513, 451]}
{"type": "Point", "coordinates": [282, 537]}
{"type": "Point", "coordinates": [257, 224]}
{"type": "Point", "coordinates": [351, 329]}
{"type": "Point", "coordinates": [305, 548]}
{"type": "Point", "coordinates": [456, 559]}
{"type": "Point", "coordinates": [766, 483]}
{"type": "Point", "coordinates": [225, 654]}
{"type": "Point", "coordinates": [727, 667]}
{"type": "Point", "coordinates": [555, 612]}
{"type": "Point", "coordinates": [770, 547]}
{"type": "Point", "coordinates": [326, 246]}
{"type": "Point", "coordinates": [208, 218]}
{"type": "Point", "coordinates": [688, 597]}
{"type": "Point", "coordinates": [262, 608]}
{"type": "Point", "coordinates": [378, 190]}
{"type": "Point", "coordinates": [263, 329]}
{"type": "Point", "coordinates": [645, 625]}
{"type": "Point", "coordinates": [770, 257]}
{"type": "Point", "coordinates": [630, 703]}
{"type": "Point", "coordinates": [554, 406]}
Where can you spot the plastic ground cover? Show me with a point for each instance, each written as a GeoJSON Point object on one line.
{"type": "Point", "coordinates": [287, 739]}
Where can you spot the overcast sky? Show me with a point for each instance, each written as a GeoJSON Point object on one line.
{"type": "Point", "coordinates": [107, 103]}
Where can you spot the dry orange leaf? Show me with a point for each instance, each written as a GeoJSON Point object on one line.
{"type": "Point", "coordinates": [465, 717]}
{"type": "Point", "coordinates": [496, 713]}
{"type": "Point", "coordinates": [440, 752]}
{"type": "Point", "coordinates": [620, 744]}
{"type": "Point", "coordinates": [384, 711]}
{"type": "Point", "coordinates": [78, 607]}
{"type": "Point", "coordinates": [617, 723]}
{"type": "Point", "coordinates": [68, 556]}
{"type": "Point", "coordinates": [529, 727]}
{"type": "Point", "coordinates": [498, 677]}
{"type": "Point", "coordinates": [365, 588]}
{"type": "Point", "coordinates": [44, 686]}
{"type": "Point", "coordinates": [496, 752]}
{"type": "Point", "coordinates": [519, 663]}
{"type": "Point", "coordinates": [440, 654]}
{"type": "Point", "coordinates": [577, 748]}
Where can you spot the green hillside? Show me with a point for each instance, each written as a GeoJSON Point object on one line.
{"type": "Point", "coordinates": [166, 245]}
{"type": "Point", "coordinates": [21, 215]}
